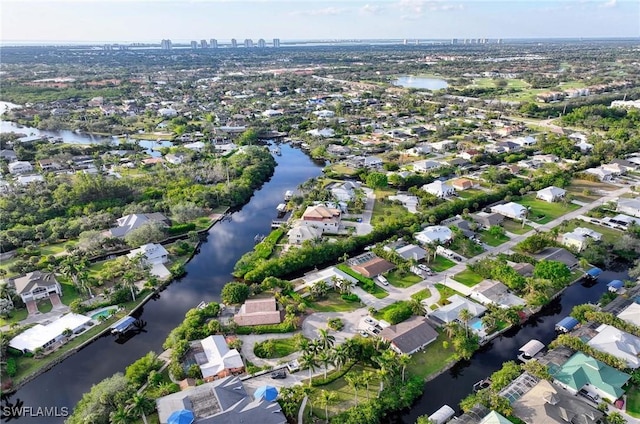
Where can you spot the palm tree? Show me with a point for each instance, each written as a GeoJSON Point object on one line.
{"type": "Point", "coordinates": [326, 399]}
{"type": "Point", "coordinates": [465, 316]}
{"type": "Point", "coordinates": [326, 340]}
{"type": "Point", "coordinates": [325, 358]}
{"type": "Point", "coordinates": [383, 373]}
{"type": "Point", "coordinates": [139, 405]}
{"type": "Point", "coordinates": [308, 360]}
{"type": "Point", "coordinates": [417, 307]}
{"type": "Point", "coordinates": [119, 416]}
{"type": "Point", "coordinates": [340, 356]}
{"type": "Point", "coordinates": [354, 382]}
{"type": "Point", "coordinates": [366, 376]}
{"type": "Point", "coordinates": [403, 361]}
{"type": "Point", "coordinates": [6, 292]}
{"type": "Point", "coordinates": [129, 279]}
{"type": "Point", "coordinates": [451, 328]}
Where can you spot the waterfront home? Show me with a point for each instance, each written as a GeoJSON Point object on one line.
{"type": "Point", "coordinates": [259, 312]}
{"type": "Point", "coordinates": [558, 254]}
{"type": "Point", "coordinates": [152, 253]}
{"type": "Point", "coordinates": [174, 159]}
{"type": "Point", "coordinates": [575, 241]}
{"type": "Point", "coordinates": [551, 194]}
{"type": "Point", "coordinates": [510, 210]}
{"type": "Point", "coordinates": [299, 233]}
{"type": "Point", "coordinates": [618, 343]}
{"type": "Point", "coordinates": [548, 403]}
{"type": "Point", "coordinates": [20, 167]}
{"type": "Point", "coordinates": [128, 223]}
{"type": "Point", "coordinates": [45, 336]}
{"type": "Point", "coordinates": [439, 189]}
{"type": "Point", "coordinates": [409, 336]}
{"type": "Point", "coordinates": [322, 217]}
{"type": "Point", "coordinates": [215, 359]}
{"type": "Point", "coordinates": [494, 292]}
{"type": "Point", "coordinates": [221, 401]}
{"type": "Point", "coordinates": [582, 372]}
{"type": "Point", "coordinates": [451, 311]}
{"type": "Point", "coordinates": [631, 314]}
{"type": "Point", "coordinates": [36, 285]}
{"type": "Point", "coordinates": [344, 192]}
{"type": "Point", "coordinates": [329, 276]}
{"type": "Point", "coordinates": [434, 234]}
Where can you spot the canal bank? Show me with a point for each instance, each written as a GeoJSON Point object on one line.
{"type": "Point", "coordinates": [207, 272]}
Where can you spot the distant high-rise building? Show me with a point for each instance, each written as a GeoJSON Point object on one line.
{"type": "Point", "coordinates": [203, 44]}
{"type": "Point", "coordinates": [194, 44]}
{"type": "Point", "coordinates": [213, 43]}
{"type": "Point", "coordinates": [499, 40]}
{"type": "Point", "coordinates": [234, 43]}
{"type": "Point", "coordinates": [165, 45]}
{"type": "Point", "coordinates": [276, 42]}
{"type": "Point", "coordinates": [405, 42]}
{"type": "Point", "coordinates": [248, 42]}
{"type": "Point", "coordinates": [261, 43]}
{"type": "Point", "coordinates": [454, 41]}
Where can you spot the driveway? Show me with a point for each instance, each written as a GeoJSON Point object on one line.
{"type": "Point", "coordinates": [249, 341]}
{"type": "Point", "coordinates": [352, 324]}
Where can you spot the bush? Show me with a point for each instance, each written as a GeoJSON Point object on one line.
{"type": "Point", "coordinates": [181, 228]}
{"type": "Point", "coordinates": [11, 367]}
{"type": "Point", "coordinates": [333, 375]}
{"type": "Point", "coordinates": [335, 324]}
{"type": "Point", "coordinates": [285, 327]}
{"type": "Point", "coordinates": [235, 293]}
{"type": "Point", "coordinates": [350, 297]}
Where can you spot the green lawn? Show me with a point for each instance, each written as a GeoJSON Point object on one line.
{"type": "Point", "coordinates": [383, 211]}
{"type": "Point", "coordinates": [543, 212]}
{"type": "Point", "coordinates": [491, 83]}
{"type": "Point", "coordinates": [445, 292]}
{"type": "Point", "coordinates": [421, 295]}
{"type": "Point", "coordinates": [440, 264]}
{"type": "Point", "coordinates": [492, 240]}
{"type": "Point", "coordinates": [465, 247]}
{"type": "Point", "coordinates": [468, 278]}
{"type": "Point", "coordinates": [332, 303]}
{"type": "Point", "coordinates": [515, 227]}
{"type": "Point", "coordinates": [44, 305]}
{"type": "Point", "coordinates": [633, 401]}
{"type": "Point", "coordinates": [282, 347]}
{"type": "Point", "coordinates": [465, 194]}
{"type": "Point", "coordinates": [397, 280]}
{"type": "Point", "coordinates": [341, 169]}
{"type": "Point", "coordinates": [434, 358]}
{"type": "Point", "coordinates": [16, 315]}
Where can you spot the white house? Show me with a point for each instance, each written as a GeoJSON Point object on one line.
{"type": "Point", "coordinates": [325, 114]}
{"type": "Point", "coordinates": [325, 219]}
{"type": "Point", "coordinates": [491, 291]}
{"type": "Point", "coordinates": [524, 141]}
{"type": "Point", "coordinates": [631, 314]}
{"type": "Point", "coordinates": [409, 202]}
{"type": "Point", "coordinates": [575, 240]}
{"type": "Point", "coordinates": [443, 146]}
{"type": "Point", "coordinates": [20, 167]}
{"type": "Point", "coordinates": [434, 234]}
{"type": "Point", "coordinates": [551, 194]}
{"type": "Point", "coordinates": [325, 132]}
{"type": "Point", "coordinates": [588, 232]}
{"type": "Point", "coordinates": [618, 343]}
{"type": "Point", "coordinates": [451, 311]}
{"type": "Point", "coordinates": [152, 253]}
{"type": "Point", "coordinates": [44, 336]}
{"type": "Point", "coordinates": [300, 233]}
{"type": "Point", "coordinates": [196, 146]}
{"type": "Point", "coordinates": [510, 210]}
{"type": "Point", "coordinates": [439, 189]}
{"type": "Point", "coordinates": [344, 192]}
{"type": "Point", "coordinates": [602, 174]}
{"type": "Point", "coordinates": [629, 206]}
{"type": "Point", "coordinates": [167, 112]}
{"type": "Point", "coordinates": [269, 113]}
{"type": "Point", "coordinates": [28, 179]}
{"type": "Point", "coordinates": [372, 162]}
{"type": "Point", "coordinates": [216, 359]}
{"type": "Point", "coordinates": [425, 165]}
{"type": "Point", "coordinates": [175, 159]}
{"type": "Point", "coordinates": [36, 285]}
{"type": "Point", "coordinates": [329, 276]}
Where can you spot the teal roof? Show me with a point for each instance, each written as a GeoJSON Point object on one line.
{"type": "Point", "coordinates": [494, 418]}
{"type": "Point", "coordinates": [581, 370]}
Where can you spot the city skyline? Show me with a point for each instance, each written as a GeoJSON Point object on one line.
{"type": "Point", "coordinates": [186, 20]}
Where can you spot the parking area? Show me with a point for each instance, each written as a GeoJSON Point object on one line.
{"type": "Point", "coordinates": [352, 323]}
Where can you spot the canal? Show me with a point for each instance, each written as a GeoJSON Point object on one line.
{"type": "Point", "coordinates": [455, 384]}
{"type": "Point", "coordinates": [207, 272]}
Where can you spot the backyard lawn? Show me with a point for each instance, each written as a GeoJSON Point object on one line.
{"type": "Point", "coordinates": [432, 359]}
{"type": "Point", "coordinates": [421, 295]}
{"type": "Point", "coordinates": [402, 281]}
{"type": "Point", "coordinates": [440, 264]}
{"type": "Point", "coordinates": [332, 302]}
{"type": "Point", "coordinates": [383, 211]}
{"type": "Point", "coordinates": [515, 227]}
{"type": "Point", "coordinates": [492, 240]}
{"type": "Point", "coordinates": [281, 347]}
{"type": "Point", "coordinates": [543, 212]}
{"type": "Point", "coordinates": [468, 278]}
{"type": "Point", "coordinates": [633, 401]}
{"type": "Point", "coordinates": [465, 194]}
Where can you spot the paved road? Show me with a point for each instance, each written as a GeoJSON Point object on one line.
{"type": "Point", "coordinates": [364, 227]}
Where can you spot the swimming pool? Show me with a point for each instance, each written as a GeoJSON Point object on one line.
{"type": "Point", "coordinates": [106, 312]}
{"type": "Point", "coordinates": [476, 325]}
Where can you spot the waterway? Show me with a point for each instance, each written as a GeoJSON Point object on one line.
{"type": "Point", "coordinates": [454, 385]}
{"type": "Point", "coordinates": [411, 81]}
{"type": "Point", "coordinates": [207, 272]}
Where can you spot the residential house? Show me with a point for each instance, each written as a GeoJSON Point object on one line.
{"type": "Point", "coordinates": [419, 150]}
{"type": "Point", "coordinates": [151, 161]}
{"type": "Point", "coordinates": [451, 311]}
{"type": "Point", "coordinates": [631, 314]}
{"type": "Point", "coordinates": [523, 268]}
{"type": "Point", "coordinates": [494, 292]}
{"type": "Point", "coordinates": [45, 336]}
{"type": "Point", "coordinates": [409, 336]}
{"type": "Point", "coordinates": [494, 418]}
{"type": "Point", "coordinates": [461, 184]}
{"type": "Point", "coordinates": [36, 285]}
{"type": "Point", "coordinates": [20, 167]}
{"type": "Point", "coordinates": [372, 162]}
{"type": "Point", "coordinates": [437, 234]}
{"type": "Point", "coordinates": [128, 223]}
{"type": "Point", "coordinates": [527, 141]}
{"type": "Point", "coordinates": [174, 158]}
{"type": "Point", "coordinates": [167, 112]}
{"type": "Point", "coordinates": [621, 221]}
{"type": "Point", "coordinates": [443, 146]}
{"type": "Point", "coordinates": [324, 218]}
{"type": "Point", "coordinates": [300, 233]}
{"type": "Point", "coordinates": [615, 168]}
{"type": "Point", "coordinates": [595, 377]}
{"type": "Point", "coordinates": [629, 206]}
{"type": "Point", "coordinates": [551, 194]}
{"type": "Point", "coordinates": [259, 312]}
{"type": "Point", "coordinates": [324, 133]}
{"type": "Point", "coordinates": [628, 165]}
{"type": "Point", "coordinates": [152, 253]}
{"type": "Point", "coordinates": [49, 165]}
{"type": "Point", "coordinates": [409, 202]}
{"type": "Point", "coordinates": [223, 401]}
{"type": "Point", "coordinates": [439, 189]}
{"type": "Point", "coordinates": [602, 174]}
{"type": "Point", "coordinates": [370, 265]}
{"type": "Point", "coordinates": [575, 241]}
{"type": "Point", "coordinates": [558, 254]}
{"type": "Point", "coordinates": [457, 162]}
{"type": "Point", "coordinates": [8, 155]}
{"type": "Point", "coordinates": [487, 220]}
{"type": "Point", "coordinates": [510, 210]}
{"type": "Point", "coordinates": [215, 359]}
{"type": "Point", "coordinates": [29, 179]}
{"type": "Point", "coordinates": [344, 192]}
{"type": "Point", "coordinates": [411, 251]}
{"type": "Point", "coordinates": [329, 276]}
{"type": "Point", "coordinates": [549, 404]}
{"type": "Point", "coordinates": [470, 154]}
{"type": "Point", "coordinates": [197, 146]}
{"type": "Point", "coordinates": [425, 165]}
{"type": "Point", "coordinates": [618, 343]}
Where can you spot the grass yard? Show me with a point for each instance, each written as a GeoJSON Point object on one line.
{"type": "Point", "coordinates": [383, 211]}
{"type": "Point", "coordinates": [388, 312]}
{"type": "Point", "coordinates": [517, 84]}
{"type": "Point", "coordinates": [445, 292]}
{"type": "Point", "coordinates": [609, 235]}
{"type": "Point", "coordinates": [441, 263]}
{"type": "Point", "coordinates": [468, 278]}
{"type": "Point", "coordinates": [465, 247]}
{"type": "Point", "coordinates": [332, 303]}
{"type": "Point", "coordinates": [16, 315]}
{"type": "Point", "coordinates": [633, 401]}
{"type": "Point", "coordinates": [54, 249]}
{"type": "Point", "coordinates": [397, 280]}
{"type": "Point", "coordinates": [69, 292]}
{"type": "Point", "coordinates": [44, 305]}
{"type": "Point", "coordinates": [587, 191]}
{"type": "Point", "coordinates": [421, 295]}
{"type": "Point", "coordinates": [367, 284]}
{"type": "Point", "coordinates": [342, 170]}
{"type": "Point", "coordinates": [515, 227]}
{"type": "Point", "coordinates": [543, 212]}
{"type": "Point", "coordinates": [465, 194]}
{"type": "Point", "coordinates": [281, 347]}
{"type": "Point", "coordinates": [492, 240]}
{"type": "Point", "coordinates": [432, 359]}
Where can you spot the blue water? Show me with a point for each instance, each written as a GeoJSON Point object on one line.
{"type": "Point", "coordinates": [477, 325]}
{"type": "Point", "coordinates": [410, 81]}
{"type": "Point", "coordinates": [104, 313]}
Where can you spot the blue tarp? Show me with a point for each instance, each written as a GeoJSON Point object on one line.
{"type": "Point", "coordinates": [567, 324]}
{"type": "Point", "coordinates": [594, 272]}
{"type": "Point", "coordinates": [616, 284]}
{"type": "Point", "coordinates": [122, 324]}
{"type": "Point", "coordinates": [183, 416]}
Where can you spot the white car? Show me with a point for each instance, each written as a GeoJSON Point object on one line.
{"type": "Point", "coordinates": [383, 280]}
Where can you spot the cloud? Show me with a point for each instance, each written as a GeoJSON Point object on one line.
{"type": "Point", "coordinates": [414, 9]}
{"type": "Point", "coordinates": [609, 3]}
{"type": "Point", "coordinates": [327, 11]}
{"type": "Point", "coordinates": [369, 9]}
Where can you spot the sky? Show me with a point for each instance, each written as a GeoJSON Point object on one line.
{"type": "Point", "coordinates": [184, 20]}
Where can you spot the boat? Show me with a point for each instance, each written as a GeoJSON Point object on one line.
{"type": "Point", "coordinates": [122, 325]}
{"type": "Point", "coordinates": [288, 195]}
{"type": "Point", "coordinates": [593, 273]}
{"type": "Point", "coordinates": [530, 349]}
{"type": "Point", "coordinates": [277, 150]}
{"type": "Point", "coordinates": [258, 238]}
{"type": "Point", "coordinates": [566, 324]}
{"type": "Point", "coordinates": [282, 207]}
{"type": "Point", "coordinates": [482, 384]}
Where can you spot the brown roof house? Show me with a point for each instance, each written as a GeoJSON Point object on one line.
{"type": "Point", "coordinates": [259, 312]}
{"type": "Point", "coordinates": [322, 217]}
{"type": "Point", "coordinates": [462, 184]}
{"type": "Point", "coordinates": [409, 336]}
{"type": "Point", "coordinates": [37, 285]}
{"type": "Point", "coordinates": [370, 265]}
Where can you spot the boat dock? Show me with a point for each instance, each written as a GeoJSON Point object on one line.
{"type": "Point", "coordinates": [122, 325]}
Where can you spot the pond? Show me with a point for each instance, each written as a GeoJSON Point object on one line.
{"type": "Point", "coordinates": [411, 81]}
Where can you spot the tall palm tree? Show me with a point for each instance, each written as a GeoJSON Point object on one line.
{"type": "Point", "coordinates": [326, 340]}
{"type": "Point", "coordinates": [140, 405]}
{"type": "Point", "coordinates": [451, 328]}
{"type": "Point", "coordinates": [129, 280]}
{"type": "Point", "coordinates": [327, 398]}
{"type": "Point", "coordinates": [325, 359]}
{"type": "Point", "coordinates": [366, 376]}
{"type": "Point", "coordinates": [308, 360]}
{"type": "Point", "coordinates": [465, 316]}
{"type": "Point", "coordinates": [417, 307]}
{"type": "Point", "coordinates": [403, 360]}
{"type": "Point", "coordinates": [6, 292]}
{"type": "Point", "coordinates": [119, 416]}
{"type": "Point", "coordinates": [354, 382]}
{"type": "Point", "coordinates": [340, 356]}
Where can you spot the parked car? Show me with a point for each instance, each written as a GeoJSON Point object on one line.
{"type": "Point", "coordinates": [383, 280]}
{"type": "Point", "coordinates": [280, 374]}
{"type": "Point", "coordinates": [369, 321]}
{"type": "Point", "coordinates": [364, 333]}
